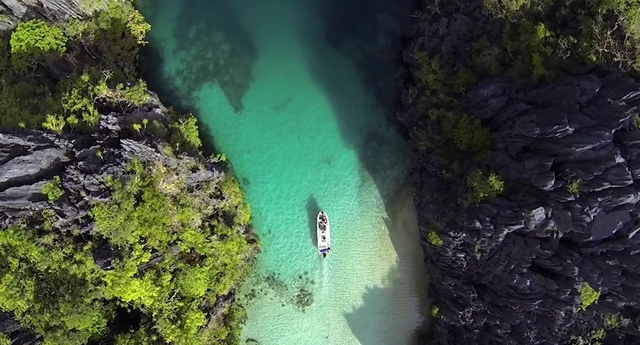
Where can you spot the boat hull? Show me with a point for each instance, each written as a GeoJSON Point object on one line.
{"type": "Point", "coordinates": [323, 230]}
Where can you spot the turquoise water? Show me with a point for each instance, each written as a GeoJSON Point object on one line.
{"type": "Point", "coordinates": [309, 136]}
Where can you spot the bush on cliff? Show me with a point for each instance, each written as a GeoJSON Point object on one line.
{"type": "Point", "coordinates": [65, 69]}
{"type": "Point", "coordinates": [50, 281]}
{"type": "Point", "coordinates": [33, 40]}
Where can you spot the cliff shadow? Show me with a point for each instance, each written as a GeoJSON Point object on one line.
{"type": "Point", "coordinates": [312, 213]}
{"type": "Point", "coordinates": [364, 320]}
{"type": "Point", "coordinates": [407, 317]}
{"type": "Point", "coordinates": [151, 60]}
{"type": "Point", "coordinates": [366, 120]}
{"type": "Point", "coordinates": [364, 117]}
{"type": "Point", "coordinates": [368, 33]}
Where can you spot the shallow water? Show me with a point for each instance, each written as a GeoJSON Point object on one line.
{"type": "Point", "coordinates": [309, 136]}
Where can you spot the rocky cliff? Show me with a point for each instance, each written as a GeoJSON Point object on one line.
{"type": "Point", "coordinates": [28, 159]}
{"type": "Point", "coordinates": [114, 228]}
{"type": "Point", "coordinates": [13, 11]}
{"type": "Point", "coordinates": [85, 166]}
{"type": "Point", "coordinates": [553, 258]}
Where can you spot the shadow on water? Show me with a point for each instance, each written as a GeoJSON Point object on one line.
{"type": "Point", "coordinates": [373, 301]}
{"type": "Point", "coordinates": [403, 229]}
{"type": "Point", "coordinates": [367, 34]}
{"type": "Point", "coordinates": [312, 213]}
{"type": "Point", "coordinates": [220, 51]}
{"type": "Point", "coordinates": [151, 60]}
{"type": "Point", "coordinates": [350, 48]}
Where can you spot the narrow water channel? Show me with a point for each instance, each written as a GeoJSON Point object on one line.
{"type": "Point", "coordinates": [278, 88]}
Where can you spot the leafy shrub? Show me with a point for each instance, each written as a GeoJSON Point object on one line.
{"type": "Point", "coordinates": [32, 40]}
{"type": "Point", "coordinates": [435, 310]}
{"type": "Point", "coordinates": [49, 279]}
{"type": "Point", "coordinates": [612, 321]}
{"type": "Point", "coordinates": [588, 296]}
{"type": "Point", "coordinates": [105, 44]}
{"type": "Point", "coordinates": [156, 208]}
{"type": "Point", "coordinates": [37, 36]}
{"type": "Point", "coordinates": [235, 200]}
{"type": "Point", "coordinates": [505, 9]}
{"type": "Point", "coordinates": [434, 238]}
{"type": "Point", "coordinates": [54, 123]}
{"type": "Point", "coordinates": [574, 186]}
{"type": "Point", "coordinates": [137, 94]}
{"type": "Point", "coordinates": [4, 339]}
{"type": "Point", "coordinates": [53, 189]}
{"type": "Point", "coordinates": [78, 100]}
{"type": "Point", "coordinates": [487, 57]}
{"type": "Point", "coordinates": [484, 187]}
{"type": "Point", "coordinates": [50, 287]}
{"type": "Point", "coordinates": [594, 337]}
{"type": "Point", "coordinates": [469, 135]}
{"type": "Point", "coordinates": [609, 33]}
{"type": "Point", "coordinates": [185, 133]}
{"type": "Point", "coordinates": [432, 71]}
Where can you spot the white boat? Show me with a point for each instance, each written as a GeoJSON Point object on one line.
{"type": "Point", "coordinates": [323, 230]}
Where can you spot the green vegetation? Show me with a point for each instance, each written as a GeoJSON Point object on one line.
{"type": "Point", "coordinates": [484, 187]}
{"type": "Point", "coordinates": [612, 321]}
{"type": "Point", "coordinates": [53, 189]}
{"type": "Point", "coordinates": [177, 248]}
{"type": "Point", "coordinates": [100, 54]}
{"type": "Point", "coordinates": [52, 285]}
{"type": "Point", "coordinates": [588, 296]}
{"type": "Point", "coordinates": [4, 339]}
{"type": "Point", "coordinates": [594, 337]}
{"type": "Point", "coordinates": [528, 42]}
{"type": "Point", "coordinates": [574, 186]}
{"type": "Point", "coordinates": [186, 133]}
{"type": "Point", "coordinates": [467, 134]}
{"type": "Point", "coordinates": [435, 310]}
{"type": "Point", "coordinates": [609, 33]}
{"type": "Point", "coordinates": [434, 238]}
{"type": "Point", "coordinates": [33, 41]}
{"type": "Point", "coordinates": [597, 336]}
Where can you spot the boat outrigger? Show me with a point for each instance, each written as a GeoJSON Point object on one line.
{"type": "Point", "coordinates": [323, 230]}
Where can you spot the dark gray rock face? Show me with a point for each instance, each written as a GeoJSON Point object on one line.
{"type": "Point", "coordinates": [12, 11]}
{"type": "Point", "coordinates": [510, 269]}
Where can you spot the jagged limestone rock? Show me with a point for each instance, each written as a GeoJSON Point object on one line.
{"type": "Point", "coordinates": [510, 270]}
{"type": "Point", "coordinates": [13, 11]}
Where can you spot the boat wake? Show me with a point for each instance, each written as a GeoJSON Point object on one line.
{"type": "Point", "coordinates": [325, 275]}
{"type": "Point", "coordinates": [324, 297]}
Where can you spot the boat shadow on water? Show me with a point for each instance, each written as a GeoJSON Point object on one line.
{"type": "Point", "coordinates": [312, 213]}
